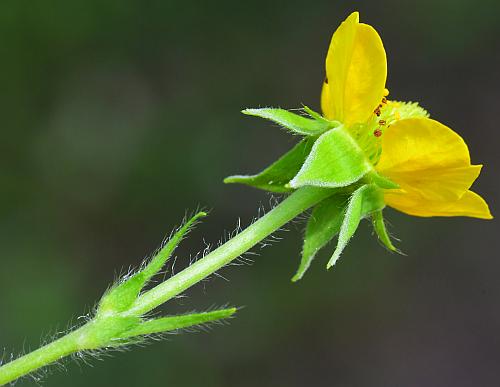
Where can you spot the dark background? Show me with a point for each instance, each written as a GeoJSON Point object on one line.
{"type": "Point", "coordinates": [117, 116]}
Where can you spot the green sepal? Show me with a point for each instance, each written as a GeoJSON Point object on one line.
{"type": "Point", "coordinates": [171, 323]}
{"type": "Point", "coordinates": [381, 231]}
{"type": "Point", "coordinates": [335, 160]}
{"type": "Point", "coordinates": [295, 123]}
{"type": "Point", "coordinates": [275, 178]}
{"type": "Point", "coordinates": [122, 296]}
{"type": "Point", "coordinates": [323, 224]}
{"type": "Point", "coordinates": [364, 201]}
{"type": "Point", "coordinates": [382, 181]}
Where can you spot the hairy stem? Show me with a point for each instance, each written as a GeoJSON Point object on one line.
{"type": "Point", "coordinates": [288, 209]}
{"type": "Point", "coordinates": [292, 206]}
{"type": "Point", "coordinates": [47, 354]}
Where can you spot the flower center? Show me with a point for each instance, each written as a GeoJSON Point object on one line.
{"type": "Point", "coordinates": [368, 135]}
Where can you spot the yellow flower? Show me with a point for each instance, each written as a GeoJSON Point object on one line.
{"type": "Point", "coordinates": [429, 161]}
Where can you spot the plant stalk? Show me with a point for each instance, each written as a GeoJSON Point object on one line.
{"type": "Point", "coordinates": [40, 357]}
{"type": "Point", "coordinates": [288, 209]}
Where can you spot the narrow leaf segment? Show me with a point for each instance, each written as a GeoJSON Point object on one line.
{"type": "Point", "coordinates": [172, 323]}
{"type": "Point", "coordinates": [363, 201]}
{"type": "Point", "coordinates": [381, 230]}
{"type": "Point", "coordinates": [122, 296]}
{"type": "Point", "coordinates": [323, 224]}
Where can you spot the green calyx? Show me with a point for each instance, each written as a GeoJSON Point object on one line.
{"type": "Point", "coordinates": [339, 216]}
{"type": "Point", "coordinates": [333, 157]}
{"type": "Point", "coordinates": [329, 155]}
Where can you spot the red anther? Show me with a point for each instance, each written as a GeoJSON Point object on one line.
{"type": "Point", "coordinates": [384, 100]}
{"type": "Point", "coordinates": [382, 122]}
{"type": "Point", "coordinates": [377, 132]}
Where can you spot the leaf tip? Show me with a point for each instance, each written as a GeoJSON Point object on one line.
{"type": "Point", "coordinates": [230, 179]}
{"type": "Point", "coordinates": [293, 183]}
{"type": "Point", "coordinates": [333, 260]}
{"type": "Point", "coordinates": [249, 112]}
{"type": "Point", "coordinates": [231, 311]}
{"type": "Point", "coordinates": [200, 214]}
{"type": "Point", "coordinates": [297, 277]}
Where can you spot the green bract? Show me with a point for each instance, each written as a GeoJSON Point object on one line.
{"type": "Point", "coordinates": [116, 323]}
{"type": "Point", "coordinates": [335, 161]}
{"type": "Point", "coordinates": [330, 157]}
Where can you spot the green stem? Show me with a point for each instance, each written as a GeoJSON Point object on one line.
{"type": "Point", "coordinates": [43, 356]}
{"type": "Point", "coordinates": [288, 209]}
{"type": "Point", "coordinates": [292, 206]}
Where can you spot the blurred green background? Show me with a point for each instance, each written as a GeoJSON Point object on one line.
{"type": "Point", "coordinates": [117, 116]}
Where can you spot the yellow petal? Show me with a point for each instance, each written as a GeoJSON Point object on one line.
{"type": "Point", "coordinates": [470, 204]}
{"type": "Point", "coordinates": [326, 105]}
{"type": "Point", "coordinates": [428, 160]}
{"type": "Point", "coordinates": [443, 184]}
{"type": "Point", "coordinates": [356, 71]}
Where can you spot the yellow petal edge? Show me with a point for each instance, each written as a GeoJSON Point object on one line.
{"type": "Point", "coordinates": [470, 204]}
{"type": "Point", "coordinates": [356, 72]}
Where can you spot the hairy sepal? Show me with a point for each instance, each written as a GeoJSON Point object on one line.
{"type": "Point", "coordinates": [322, 226]}
{"type": "Point", "coordinates": [276, 177]}
{"type": "Point", "coordinates": [381, 231]}
{"type": "Point", "coordinates": [364, 201]}
{"type": "Point", "coordinates": [335, 160]}
{"type": "Point", "coordinates": [293, 122]}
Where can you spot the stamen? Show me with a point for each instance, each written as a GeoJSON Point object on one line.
{"type": "Point", "coordinates": [377, 132]}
